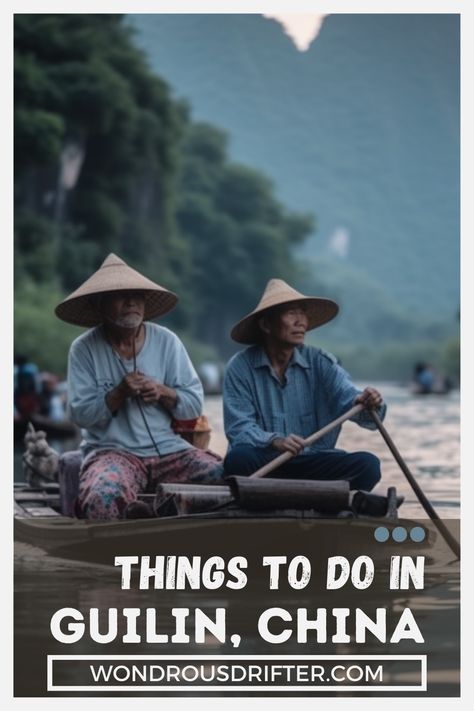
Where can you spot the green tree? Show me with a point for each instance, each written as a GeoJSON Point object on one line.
{"type": "Point", "coordinates": [107, 161]}
{"type": "Point", "coordinates": [81, 83]}
{"type": "Point", "coordinates": [238, 232]}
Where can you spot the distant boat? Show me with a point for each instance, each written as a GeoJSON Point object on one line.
{"type": "Point", "coordinates": [55, 429]}
{"type": "Point", "coordinates": [40, 398]}
{"type": "Point", "coordinates": [426, 381]}
{"type": "Point", "coordinates": [440, 388]}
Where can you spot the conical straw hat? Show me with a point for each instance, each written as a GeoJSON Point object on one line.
{"type": "Point", "coordinates": [278, 292]}
{"type": "Point", "coordinates": [113, 275]}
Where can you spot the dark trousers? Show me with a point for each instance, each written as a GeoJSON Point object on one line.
{"type": "Point", "coordinates": [361, 469]}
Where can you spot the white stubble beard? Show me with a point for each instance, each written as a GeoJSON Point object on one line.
{"type": "Point", "coordinates": [130, 322]}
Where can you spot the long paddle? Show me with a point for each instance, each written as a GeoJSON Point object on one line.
{"type": "Point", "coordinates": [448, 537]}
{"type": "Point", "coordinates": [282, 458]}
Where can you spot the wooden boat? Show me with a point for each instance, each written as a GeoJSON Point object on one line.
{"type": "Point", "coordinates": [54, 429]}
{"type": "Point", "coordinates": [227, 516]}
{"type": "Point", "coordinates": [184, 513]}
{"type": "Point", "coordinates": [416, 389]}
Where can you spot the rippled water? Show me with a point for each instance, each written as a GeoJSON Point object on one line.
{"type": "Point", "coordinates": [425, 429]}
{"type": "Point", "coordinates": [426, 432]}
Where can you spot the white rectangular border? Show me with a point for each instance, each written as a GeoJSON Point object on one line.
{"type": "Point", "coordinates": [422, 658]}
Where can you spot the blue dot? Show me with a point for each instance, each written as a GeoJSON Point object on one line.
{"type": "Point", "coordinates": [417, 534]}
{"type": "Point", "coordinates": [399, 534]}
{"type": "Point", "coordinates": [381, 534]}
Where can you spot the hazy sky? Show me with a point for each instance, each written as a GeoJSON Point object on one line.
{"type": "Point", "coordinates": [302, 28]}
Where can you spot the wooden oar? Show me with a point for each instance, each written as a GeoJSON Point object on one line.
{"type": "Point", "coordinates": [448, 537]}
{"type": "Point", "coordinates": [282, 458]}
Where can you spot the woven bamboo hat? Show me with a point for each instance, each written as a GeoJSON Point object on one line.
{"type": "Point", "coordinates": [80, 309]}
{"type": "Point", "coordinates": [278, 292]}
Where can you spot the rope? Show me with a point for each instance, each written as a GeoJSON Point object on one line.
{"type": "Point", "coordinates": [139, 404]}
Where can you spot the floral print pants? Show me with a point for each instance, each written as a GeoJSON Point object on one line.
{"type": "Point", "coordinates": [111, 479]}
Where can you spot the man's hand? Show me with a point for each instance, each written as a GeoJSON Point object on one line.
{"type": "Point", "coordinates": [129, 386]}
{"type": "Point", "coordinates": [139, 385]}
{"type": "Point", "coordinates": [370, 398]}
{"type": "Point", "coordinates": [132, 385]}
{"type": "Point", "coordinates": [153, 392]}
{"type": "Point", "coordinates": [293, 443]}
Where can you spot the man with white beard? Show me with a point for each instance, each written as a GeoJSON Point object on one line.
{"type": "Point", "coordinates": [128, 380]}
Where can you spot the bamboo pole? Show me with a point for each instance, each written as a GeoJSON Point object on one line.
{"type": "Point", "coordinates": [282, 458]}
{"type": "Point", "coordinates": [447, 535]}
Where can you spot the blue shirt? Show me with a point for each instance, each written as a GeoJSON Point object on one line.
{"type": "Point", "coordinates": [95, 367]}
{"type": "Point", "coordinates": [315, 390]}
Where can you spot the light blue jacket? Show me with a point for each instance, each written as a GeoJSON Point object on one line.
{"type": "Point", "coordinates": [258, 407]}
{"type": "Point", "coordinates": [95, 367]}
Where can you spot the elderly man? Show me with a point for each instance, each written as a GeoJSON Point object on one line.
{"type": "Point", "coordinates": [128, 379]}
{"type": "Point", "coordinates": [279, 391]}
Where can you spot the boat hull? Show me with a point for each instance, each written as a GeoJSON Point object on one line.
{"type": "Point", "coordinates": [202, 534]}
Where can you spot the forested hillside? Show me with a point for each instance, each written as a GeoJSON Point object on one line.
{"type": "Point", "coordinates": [107, 160]}
{"type": "Point", "coordinates": [113, 155]}
{"type": "Point", "coordinates": [362, 130]}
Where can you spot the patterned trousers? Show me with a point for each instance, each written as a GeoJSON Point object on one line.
{"type": "Point", "coordinates": [112, 479]}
